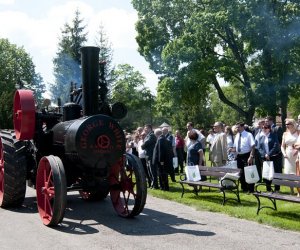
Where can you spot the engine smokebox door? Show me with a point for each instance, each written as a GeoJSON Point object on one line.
{"type": "Point", "coordinates": [98, 140]}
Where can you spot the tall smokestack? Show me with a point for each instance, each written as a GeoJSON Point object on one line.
{"type": "Point", "coordinates": [90, 79]}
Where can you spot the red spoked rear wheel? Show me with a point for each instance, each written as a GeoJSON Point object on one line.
{"type": "Point", "coordinates": [51, 190]}
{"type": "Point", "coordinates": [129, 189]}
{"type": "Point", "coordinates": [24, 114]}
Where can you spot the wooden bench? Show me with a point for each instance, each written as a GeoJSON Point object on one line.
{"type": "Point", "coordinates": [218, 173]}
{"type": "Point", "coordinates": [287, 180]}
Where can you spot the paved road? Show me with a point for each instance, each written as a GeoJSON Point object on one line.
{"type": "Point", "coordinates": [162, 225]}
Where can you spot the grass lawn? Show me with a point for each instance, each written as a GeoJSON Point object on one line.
{"type": "Point", "coordinates": [287, 215]}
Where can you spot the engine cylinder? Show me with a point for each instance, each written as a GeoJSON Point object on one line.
{"type": "Point", "coordinates": [71, 111]}
{"type": "Point", "coordinates": [95, 141]}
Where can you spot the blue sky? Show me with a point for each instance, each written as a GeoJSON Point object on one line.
{"type": "Point", "coordinates": [36, 25]}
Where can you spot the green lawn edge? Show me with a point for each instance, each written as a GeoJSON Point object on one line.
{"type": "Point", "coordinates": [286, 217]}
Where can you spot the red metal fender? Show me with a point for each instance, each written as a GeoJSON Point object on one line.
{"type": "Point", "coordinates": [24, 114]}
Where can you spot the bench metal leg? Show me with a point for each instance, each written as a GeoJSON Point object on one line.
{"type": "Point", "coordinates": [182, 193]}
{"type": "Point", "coordinates": [224, 197]}
{"type": "Point", "coordinates": [236, 192]}
{"type": "Point", "coordinates": [258, 204]}
{"type": "Point", "coordinates": [259, 207]}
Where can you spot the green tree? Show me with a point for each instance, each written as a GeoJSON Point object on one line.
{"type": "Point", "coordinates": [223, 112]}
{"type": "Point", "coordinates": [251, 43]}
{"type": "Point", "coordinates": [16, 68]}
{"type": "Point", "coordinates": [173, 104]}
{"type": "Point", "coordinates": [130, 90]}
{"type": "Point", "coordinates": [67, 60]}
{"type": "Point", "coordinates": [105, 55]}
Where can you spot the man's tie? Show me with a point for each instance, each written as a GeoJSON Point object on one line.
{"type": "Point", "coordinates": [239, 143]}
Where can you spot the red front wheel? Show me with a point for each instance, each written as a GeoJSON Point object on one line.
{"type": "Point", "coordinates": [51, 190]}
{"type": "Point", "coordinates": [129, 191]}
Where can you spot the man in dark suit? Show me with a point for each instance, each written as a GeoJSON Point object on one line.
{"type": "Point", "coordinates": [269, 120]}
{"type": "Point", "coordinates": [148, 146]}
{"type": "Point", "coordinates": [161, 156]}
{"type": "Point", "coordinates": [171, 152]}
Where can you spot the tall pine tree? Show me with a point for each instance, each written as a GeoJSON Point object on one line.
{"type": "Point", "coordinates": [67, 60]}
{"type": "Point", "coordinates": [106, 56]}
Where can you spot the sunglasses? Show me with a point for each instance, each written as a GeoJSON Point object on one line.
{"type": "Point", "coordinates": [267, 128]}
{"type": "Point", "coordinates": [288, 124]}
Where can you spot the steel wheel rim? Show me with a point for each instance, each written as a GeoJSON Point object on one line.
{"type": "Point", "coordinates": [1, 171]}
{"type": "Point", "coordinates": [123, 196]}
{"type": "Point", "coordinates": [45, 191]}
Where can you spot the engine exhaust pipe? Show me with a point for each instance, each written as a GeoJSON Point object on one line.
{"type": "Point", "coordinates": [90, 79]}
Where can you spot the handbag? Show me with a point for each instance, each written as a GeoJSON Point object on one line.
{"type": "Point", "coordinates": [268, 170]}
{"type": "Point", "coordinates": [228, 180]}
{"type": "Point", "coordinates": [175, 162]}
{"type": "Point", "coordinates": [192, 173]}
{"type": "Point", "coordinates": [231, 164]}
{"type": "Point", "coordinates": [251, 174]}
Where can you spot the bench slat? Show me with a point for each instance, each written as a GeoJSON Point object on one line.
{"type": "Point", "coordinates": [219, 169]}
{"type": "Point", "coordinates": [278, 196]}
{"type": "Point", "coordinates": [285, 182]}
{"type": "Point", "coordinates": [202, 183]}
{"type": "Point", "coordinates": [213, 174]}
{"type": "Point", "coordinates": [290, 177]}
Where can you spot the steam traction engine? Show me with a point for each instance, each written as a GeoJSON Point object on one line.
{"type": "Point", "coordinates": [73, 151]}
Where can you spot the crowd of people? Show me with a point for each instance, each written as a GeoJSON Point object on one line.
{"type": "Point", "coordinates": [246, 146]}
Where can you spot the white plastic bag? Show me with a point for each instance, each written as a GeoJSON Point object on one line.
{"type": "Point", "coordinates": [175, 162]}
{"type": "Point", "coordinates": [268, 170]}
{"type": "Point", "coordinates": [192, 173]}
{"type": "Point", "coordinates": [226, 179]}
{"type": "Point", "coordinates": [251, 174]}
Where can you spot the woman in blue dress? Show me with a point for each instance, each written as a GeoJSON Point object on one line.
{"type": "Point", "coordinates": [195, 154]}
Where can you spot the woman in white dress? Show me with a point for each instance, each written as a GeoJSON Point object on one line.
{"type": "Point", "coordinates": [297, 146]}
{"type": "Point", "coordinates": [230, 141]}
{"type": "Point", "coordinates": [288, 147]}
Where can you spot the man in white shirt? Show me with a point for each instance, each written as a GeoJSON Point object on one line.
{"type": "Point", "coordinates": [244, 146]}
{"type": "Point", "coordinates": [189, 127]}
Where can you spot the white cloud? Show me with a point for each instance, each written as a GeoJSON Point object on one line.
{"type": "Point", "coordinates": [119, 26]}
{"type": "Point", "coordinates": [40, 35]}
{"type": "Point", "coordinates": [7, 2]}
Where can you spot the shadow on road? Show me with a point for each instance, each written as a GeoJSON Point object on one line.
{"type": "Point", "coordinates": [85, 218]}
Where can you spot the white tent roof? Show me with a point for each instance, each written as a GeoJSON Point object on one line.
{"type": "Point", "coordinates": [164, 125]}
